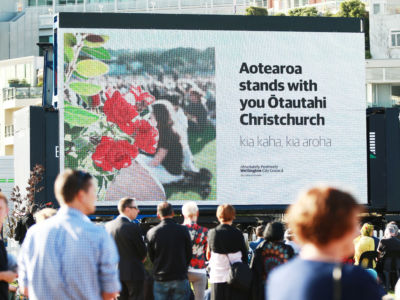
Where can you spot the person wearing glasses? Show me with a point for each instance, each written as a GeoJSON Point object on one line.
{"type": "Point", "coordinates": [67, 256]}
{"type": "Point", "coordinates": [131, 248]}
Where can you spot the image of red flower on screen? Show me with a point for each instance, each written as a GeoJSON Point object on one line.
{"type": "Point", "coordinates": [111, 154]}
{"type": "Point", "coordinates": [95, 100]}
{"type": "Point", "coordinates": [146, 136]}
{"type": "Point", "coordinates": [120, 112]}
{"type": "Point", "coordinates": [141, 96]}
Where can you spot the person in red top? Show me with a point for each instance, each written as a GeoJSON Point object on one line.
{"type": "Point", "coordinates": [197, 268]}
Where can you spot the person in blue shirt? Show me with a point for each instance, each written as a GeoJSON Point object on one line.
{"type": "Point", "coordinates": [254, 244]}
{"type": "Point", "coordinates": [325, 221]}
{"type": "Point", "coordinates": [67, 256]}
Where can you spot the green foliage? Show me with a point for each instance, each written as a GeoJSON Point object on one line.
{"type": "Point", "coordinates": [304, 12]}
{"type": "Point", "coordinates": [99, 53]}
{"type": "Point", "coordinates": [68, 54]}
{"type": "Point", "coordinates": [328, 13]}
{"type": "Point", "coordinates": [18, 83]}
{"type": "Point", "coordinates": [85, 89]}
{"type": "Point", "coordinates": [77, 116]}
{"type": "Point", "coordinates": [352, 9]}
{"type": "Point", "coordinates": [91, 68]}
{"type": "Point", "coordinates": [279, 15]}
{"type": "Point", "coordinates": [368, 54]}
{"type": "Point", "coordinates": [256, 11]}
{"type": "Point", "coordinates": [69, 40]}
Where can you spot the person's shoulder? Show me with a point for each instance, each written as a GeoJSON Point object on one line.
{"type": "Point", "coordinates": [111, 224]}
{"type": "Point", "coordinates": [360, 279]}
{"type": "Point", "coordinates": [355, 272]}
{"type": "Point", "coordinates": [152, 231]}
{"type": "Point", "coordinates": [281, 272]}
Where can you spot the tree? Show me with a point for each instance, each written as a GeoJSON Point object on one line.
{"type": "Point", "coordinates": [304, 12]}
{"type": "Point", "coordinates": [280, 14]}
{"type": "Point", "coordinates": [256, 11]}
{"type": "Point", "coordinates": [352, 9]}
{"type": "Point", "coordinates": [356, 9]}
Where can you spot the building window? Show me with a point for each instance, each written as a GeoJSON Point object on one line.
{"type": "Point", "coordinates": [44, 39]}
{"type": "Point", "coordinates": [377, 7]}
{"type": "Point", "coordinates": [395, 38]}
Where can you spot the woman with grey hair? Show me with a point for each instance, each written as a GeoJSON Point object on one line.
{"type": "Point", "coordinates": [197, 268]}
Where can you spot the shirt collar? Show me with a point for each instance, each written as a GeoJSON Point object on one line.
{"type": "Point", "coordinates": [73, 212]}
{"type": "Point", "coordinates": [125, 217]}
{"type": "Point", "coordinates": [168, 220]}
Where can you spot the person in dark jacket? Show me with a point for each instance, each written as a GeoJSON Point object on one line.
{"type": "Point", "coordinates": [170, 250]}
{"type": "Point", "coordinates": [131, 249]}
{"type": "Point", "coordinates": [268, 255]}
{"type": "Point", "coordinates": [226, 246]}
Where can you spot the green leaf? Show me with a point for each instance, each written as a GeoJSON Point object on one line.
{"type": "Point", "coordinates": [95, 41]}
{"type": "Point", "coordinates": [68, 144]}
{"type": "Point", "coordinates": [99, 181]}
{"type": "Point", "coordinates": [99, 53]}
{"type": "Point", "coordinates": [68, 54]}
{"type": "Point", "coordinates": [75, 131]}
{"type": "Point", "coordinates": [85, 89]}
{"type": "Point", "coordinates": [85, 99]}
{"type": "Point", "coordinates": [77, 116]}
{"type": "Point", "coordinates": [79, 76]}
{"type": "Point", "coordinates": [70, 162]}
{"type": "Point", "coordinates": [91, 68]}
{"type": "Point", "coordinates": [69, 40]}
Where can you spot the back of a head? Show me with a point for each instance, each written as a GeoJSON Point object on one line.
{"type": "Point", "coordinates": [69, 183]}
{"type": "Point", "coordinates": [391, 230]}
{"type": "Point", "coordinates": [274, 232]}
{"type": "Point", "coordinates": [322, 215]}
{"type": "Point", "coordinates": [395, 227]}
{"type": "Point", "coordinates": [164, 209]}
{"type": "Point", "coordinates": [190, 209]}
{"type": "Point", "coordinates": [226, 213]}
{"type": "Point", "coordinates": [260, 231]}
{"type": "Point", "coordinates": [162, 116]}
{"type": "Point", "coordinates": [367, 229]}
{"type": "Point", "coordinates": [124, 203]}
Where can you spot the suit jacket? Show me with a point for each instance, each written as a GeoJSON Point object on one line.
{"type": "Point", "coordinates": [131, 248]}
{"type": "Point", "coordinates": [389, 245]}
{"type": "Point", "coordinates": [170, 250]}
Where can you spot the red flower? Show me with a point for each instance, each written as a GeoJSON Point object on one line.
{"type": "Point", "coordinates": [146, 136]}
{"type": "Point", "coordinates": [111, 154]}
{"type": "Point", "coordinates": [120, 112]}
{"type": "Point", "coordinates": [95, 100]}
{"type": "Point", "coordinates": [141, 96]}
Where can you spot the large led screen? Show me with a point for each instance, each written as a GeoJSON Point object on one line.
{"type": "Point", "coordinates": [245, 117]}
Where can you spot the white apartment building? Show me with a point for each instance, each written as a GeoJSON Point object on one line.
{"type": "Point", "coordinates": [15, 98]}
{"type": "Point", "coordinates": [383, 70]}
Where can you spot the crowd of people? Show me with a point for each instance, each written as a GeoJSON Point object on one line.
{"type": "Point", "coordinates": [66, 256]}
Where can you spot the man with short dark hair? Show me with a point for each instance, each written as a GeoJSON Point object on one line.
{"type": "Point", "coordinates": [170, 250]}
{"type": "Point", "coordinates": [67, 256]}
{"type": "Point", "coordinates": [6, 276]}
{"type": "Point", "coordinates": [131, 249]}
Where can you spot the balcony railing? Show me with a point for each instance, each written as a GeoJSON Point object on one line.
{"type": "Point", "coordinates": [22, 93]}
{"type": "Point", "coordinates": [9, 130]}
